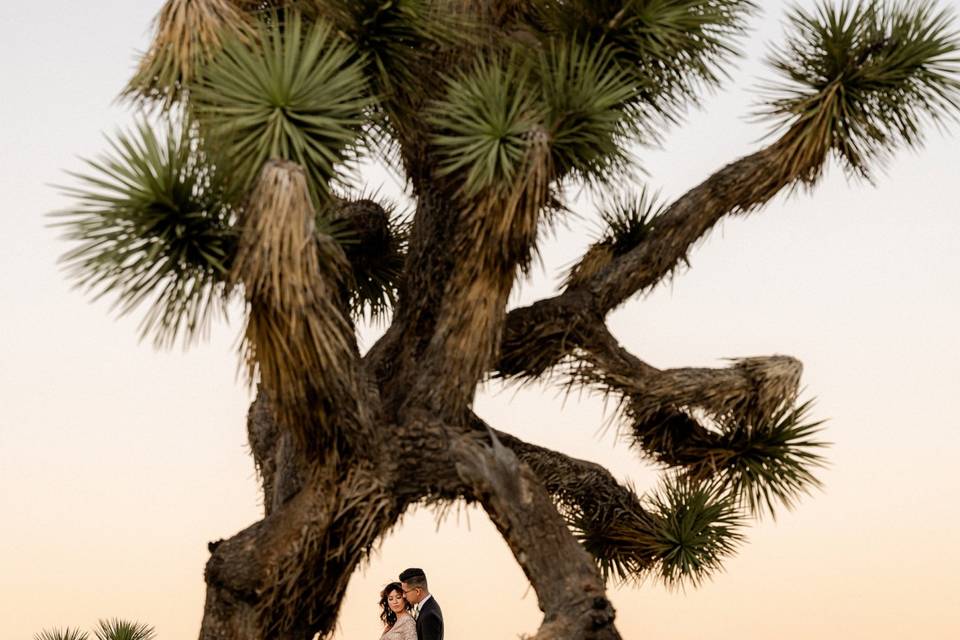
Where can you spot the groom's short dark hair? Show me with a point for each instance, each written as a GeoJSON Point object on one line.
{"type": "Point", "coordinates": [414, 577]}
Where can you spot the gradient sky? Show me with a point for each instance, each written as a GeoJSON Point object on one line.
{"type": "Point", "coordinates": [118, 462]}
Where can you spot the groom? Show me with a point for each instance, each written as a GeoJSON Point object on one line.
{"type": "Point", "coordinates": [426, 610]}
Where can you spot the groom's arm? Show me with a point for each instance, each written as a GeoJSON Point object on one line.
{"type": "Point", "coordinates": [431, 627]}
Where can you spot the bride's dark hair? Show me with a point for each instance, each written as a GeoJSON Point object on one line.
{"type": "Point", "coordinates": [386, 613]}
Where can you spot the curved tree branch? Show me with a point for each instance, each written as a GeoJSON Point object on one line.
{"type": "Point", "coordinates": [540, 336]}
{"type": "Point", "coordinates": [285, 576]}
{"type": "Point", "coordinates": [739, 187]}
{"type": "Point", "coordinates": [610, 519]}
{"type": "Point", "coordinates": [755, 386]}
{"type": "Point", "coordinates": [569, 587]}
{"type": "Point", "coordinates": [298, 338]}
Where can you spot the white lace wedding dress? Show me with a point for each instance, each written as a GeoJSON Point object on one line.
{"type": "Point", "coordinates": [405, 628]}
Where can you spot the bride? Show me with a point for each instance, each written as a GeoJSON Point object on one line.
{"type": "Point", "coordinates": [398, 624]}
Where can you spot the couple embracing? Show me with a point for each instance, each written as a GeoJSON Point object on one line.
{"type": "Point", "coordinates": [408, 611]}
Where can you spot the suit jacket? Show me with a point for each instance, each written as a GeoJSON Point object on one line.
{"type": "Point", "coordinates": [430, 621]}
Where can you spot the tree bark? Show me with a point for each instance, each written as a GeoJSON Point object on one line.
{"type": "Point", "coordinates": [285, 576]}
{"type": "Point", "coordinates": [569, 588]}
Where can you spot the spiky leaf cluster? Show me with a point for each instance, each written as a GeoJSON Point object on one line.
{"type": "Point", "coordinates": [484, 124]}
{"type": "Point", "coordinates": [769, 463]}
{"type": "Point", "coordinates": [618, 533]}
{"type": "Point", "coordinates": [765, 461]}
{"type": "Point", "coordinates": [299, 95]}
{"type": "Point", "coordinates": [572, 97]}
{"type": "Point", "coordinates": [860, 79]}
{"type": "Point", "coordinates": [680, 534]}
{"type": "Point", "coordinates": [116, 629]}
{"type": "Point", "coordinates": [393, 36]}
{"type": "Point", "coordinates": [697, 526]}
{"type": "Point", "coordinates": [153, 223]}
{"type": "Point", "coordinates": [586, 95]}
{"type": "Point", "coordinates": [626, 220]}
{"type": "Point", "coordinates": [686, 525]}
{"type": "Point", "coordinates": [670, 50]}
{"type": "Point", "coordinates": [374, 238]}
{"type": "Point", "coordinates": [61, 634]}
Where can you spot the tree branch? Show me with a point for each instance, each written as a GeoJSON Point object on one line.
{"type": "Point", "coordinates": [609, 519]}
{"type": "Point", "coordinates": [738, 187]}
{"type": "Point", "coordinates": [279, 465]}
{"type": "Point", "coordinates": [569, 588]}
{"type": "Point", "coordinates": [667, 408]}
{"type": "Point", "coordinates": [540, 336]}
{"type": "Point", "coordinates": [285, 576]}
{"type": "Point", "coordinates": [755, 386]}
{"type": "Point", "coordinates": [681, 532]}
{"type": "Point", "coordinates": [740, 425]}
{"type": "Point", "coordinates": [298, 338]}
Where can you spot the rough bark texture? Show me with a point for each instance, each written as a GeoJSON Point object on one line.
{"type": "Point", "coordinates": [326, 506]}
{"type": "Point", "coordinates": [285, 576]}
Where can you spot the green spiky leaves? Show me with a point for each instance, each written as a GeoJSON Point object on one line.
{"type": "Point", "coordinates": [153, 223]}
{"type": "Point", "coordinates": [299, 95]}
{"type": "Point", "coordinates": [484, 124]}
{"type": "Point", "coordinates": [572, 97]}
{"type": "Point", "coordinates": [697, 525]}
{"type": "Point", "coordinates": [626, 221]}
{"type": "Point", "coordinates": [771, 462]}
{"type": "Point", "coordinates": [586, 94]}
{"type": "Point", "coordinates": [392, 35]}
{"type": "Point", "coordinates": [112, 629]}
{"type": "Point", "coordinates": [669, 49]}
{"type": "Point", "coordinates": [765, 460]}
{"type": "Point", "coordinates": [61, 634]}
{"type": "Point", "coordinates": [116, 629]}
{"type": "Point", "coordinates": [859, 79]}
{"type": "Point", "coordinates": [679, 534]}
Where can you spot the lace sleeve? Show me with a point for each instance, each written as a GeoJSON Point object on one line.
{"type": "Point", "coordinates": [409, 631]}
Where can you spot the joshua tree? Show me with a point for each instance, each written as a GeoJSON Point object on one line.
{"type": "Point", "coordinates": [238, 188]}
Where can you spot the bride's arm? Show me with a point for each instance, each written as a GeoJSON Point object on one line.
{"type": "Point", "coordinates": [409, 631]}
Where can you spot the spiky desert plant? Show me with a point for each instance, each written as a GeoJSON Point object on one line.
{"type": "Point", "coordinates": [298, 93]}
{"type": "Point", "coordinates": [670, 51]}
{"type": "Point", "coordinates": [107, 629]}
{"type": "Point", "coordinates": [490, 111]}
{"type": "Point", "coordinates": [154, 222]}
{"type": "Point", "coordinates": [483, 124]}
{"type": "Point", "coordinates": [625, 220]}
{"type": "Point", "coordinates": [696, 528]}
{"type": "Point", "coordinates": [586, 94]}
{"type": "Point", "coordinates": [117, 629]}
{"type": "Point", "coordinates": [860, 80]}
{"type": "Point", "coordinates": [373, 233]}
{"type": "Point", "coordinates": [61, 634]}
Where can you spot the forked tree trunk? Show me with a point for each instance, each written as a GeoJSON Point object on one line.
{"type": "Point", "coordinates": [345, 444]}
{"type": "Point", "coordinates": [285, 576]}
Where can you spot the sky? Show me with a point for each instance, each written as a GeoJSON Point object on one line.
{"type": "Point", "coordinates": [118, 462]}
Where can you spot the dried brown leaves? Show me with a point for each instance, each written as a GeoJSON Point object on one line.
{"type": "Point", "coordinates": [188, 33]}
{"type": "Point", "coordinates": [297, 336]}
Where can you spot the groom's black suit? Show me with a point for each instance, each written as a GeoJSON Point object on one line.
{"type": "Point", "coordinates": [430, 621]}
